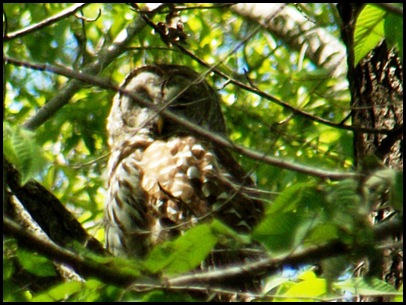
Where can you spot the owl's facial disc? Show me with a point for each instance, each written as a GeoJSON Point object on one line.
{"type": "Point", "coordinates": [147, 121]}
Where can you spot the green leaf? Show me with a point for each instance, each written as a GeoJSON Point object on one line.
{"type": "Point", "coordinates": [309, 286]}
{"type": "Point", "coordinates": [21, 149]}
{"type": "Point", "coordinates": [321, 234]}
{"type": "Point", "coordinates": [396, 193]}
{"type": "Point", "coordinates": [35, 263]}
{"type": "Point", "coordinates": [289, 199]}
{"type": "Point", "coordinates": [369, 31]}
{"type": "Point", "coordinates": [89, 291]}
{"type": "Point", "coordinates": [225, 234]}
{"type": "Point", "coordinates": [370, 287]}
{"type": "Point", "coordinates": [184, 253]}
{"type": "Point", "coordinates": [282, 233]}
{"type": "Point", "coordinates": [165, 296]}
{"type": "Point", "coordinates": [399, 298]}
{"type": "Point", "coordinates": [394, 32]}
{"type": "Point", "coordinates": [59, 292]}
{"type": "Point", "coordinates": [290, 218]}
{"type": "Point", "coordinates": [343, 205]}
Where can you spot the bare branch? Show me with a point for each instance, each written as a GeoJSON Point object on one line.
{"type": "Point", "coordinates": [268, 17]}
{"type": "Point", "coordinates": [49, 213]}
{"type": "Point", "coordinates": [215, 138]}
{"type": "Point", "coordinates": [390, 8]}
{"type": "Point", "coordinates": [308, 255]}
{"type": "Point", "coordinates": [44, 23]}
{"type": "Point", "coordinates": [279, 102]}
{"type": "Point", "coordinates": [83, 266]}
{"type": "Point", "coordinates": [89, 19]}
{"type": "Point", "coordinates": [104, 58]}
{"type": "Point", "coordinates": [114, 275]}
{"type": "Point", "coordinates": [252, 89]}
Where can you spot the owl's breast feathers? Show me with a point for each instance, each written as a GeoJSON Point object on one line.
{"type": "Point", "coordinates": [162, 180]}
{"type": "Point", "coordinates": [159, 188]}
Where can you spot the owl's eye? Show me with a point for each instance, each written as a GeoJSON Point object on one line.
{"type": "Point", "coordinates": [142, 91]}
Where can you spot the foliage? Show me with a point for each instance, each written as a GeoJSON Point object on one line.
{"type": "Point", "coordinates": [68, 152]}
{"type": "Point", "coordinates": [183, 254]}
{"type": "Point", "coordinates": [308, 287]}
{"type": "Point", "coordinates": [20, 147]}
{"type": "Point", "coordinates": [373, 25]}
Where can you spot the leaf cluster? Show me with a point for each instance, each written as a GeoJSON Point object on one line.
{"type": "Point", "coordinates": [67, 154]}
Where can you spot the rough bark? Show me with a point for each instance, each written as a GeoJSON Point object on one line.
{"type": "Point", "coordinates": [48, 212]}
{"type": "Point", "coordinates": [376, 85]}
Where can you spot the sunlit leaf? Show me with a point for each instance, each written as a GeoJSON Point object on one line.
{"type": "Point", "coordinates": [370, 287]}
{"type": "Point", "coordinates": [399, 298]}
{"type": "Point", "coordinates": [282, 233]}
{"type": "Point", "coordinates": [35, 263]}
{"type": "Point", "coordinates": [21, 149]}
{"type": "Point", "coordinates": [303, 291]}
{"type": "Point", "coordinates": [369, 31]}
{"type": "Point", "coordinates": [59, 292]}
{"type": "Point", "coordinates": [184, 253]}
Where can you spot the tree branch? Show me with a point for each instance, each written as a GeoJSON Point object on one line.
{"type": "Point", "coordinates": [284, 104]}
{"type": "Point", "coordinates": [309, 255]}
{"type": "Point", "coordinates": [101, 61]}
{"type": "Point", "coordinates": [50, 214]}
{"type": "Point", "coordinates": [84, 266]}
{"type": "Point", "coordinates": [215, 138]}
{"type": "Point", "coordinates": [390, 8]}
{"type": "Point", "coordinates": [115, 275]}
{"type": "Point", "coordinates": [252, 89]}
{"type": "Point", "coordinates": [44, 23]}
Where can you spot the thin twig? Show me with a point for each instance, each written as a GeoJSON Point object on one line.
{"type": "Point", "coordinates": [101, 60]}
{"type": "Point", "coordinates": [240, 44]}
{"type": "Point", "coordinates": [215, 138]}
{"type": "Point", "coordinates": [89, 19]}
{"type": "Point", "coordinates": [109, 274]}
{"type": "Point", "coordinates": [44, 23]}
{"type": "Point", "coordinates": [390, 7]}
{"type": "Point", "coordinates": [284, 104]}
{"type": "Point", "coordinates": [253, 89]}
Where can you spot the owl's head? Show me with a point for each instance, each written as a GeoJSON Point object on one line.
{"type": "Point", "coordinates": [176, 88]}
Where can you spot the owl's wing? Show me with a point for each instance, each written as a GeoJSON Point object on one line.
{"type": "Point", "coordinates": [185, 183]}
{"type": "Point", "coordinates": [161, 183]}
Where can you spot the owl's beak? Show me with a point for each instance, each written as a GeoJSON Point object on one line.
{"type": "Point", "coordinates": [160, 125]}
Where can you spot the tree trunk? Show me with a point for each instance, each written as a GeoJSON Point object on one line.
{"type": "Point", "coordinates": [376, 86]}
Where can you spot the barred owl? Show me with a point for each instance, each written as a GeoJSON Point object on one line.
{"type": "Point", "coordinates": [162, 179]}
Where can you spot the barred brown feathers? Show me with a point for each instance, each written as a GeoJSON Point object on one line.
{"type": "Point", "coordinates": [161, 179]}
